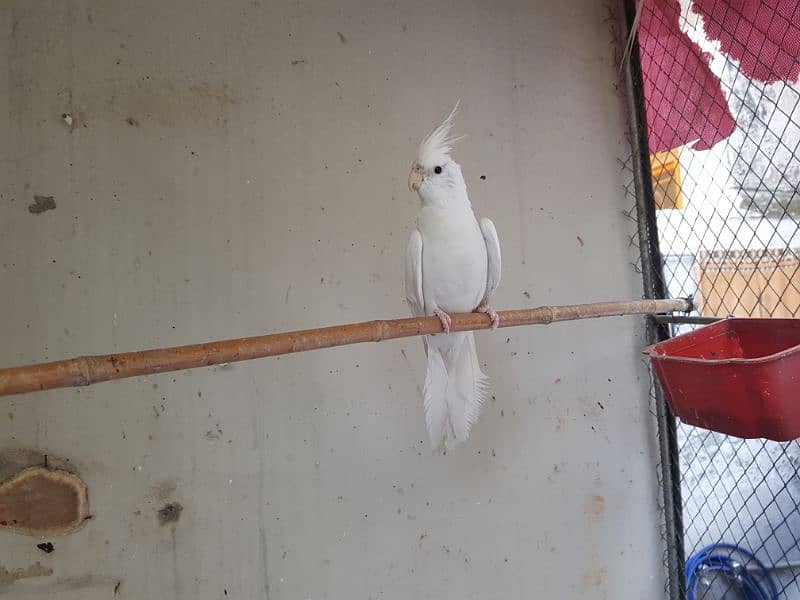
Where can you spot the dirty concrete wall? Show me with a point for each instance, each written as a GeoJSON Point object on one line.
{"type": "Point", "coordinates": [232, 168]}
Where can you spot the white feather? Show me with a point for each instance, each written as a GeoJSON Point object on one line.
{"type": "Point", "coordinates": [435, 149]}
{"type": "Point", "coordinates": [437, 418]}
{"type": "Point", "coordinates": [413, 280]}
{"type": "Point", "coordinates": [493, 253]}
{"type": "Point", "coordinates": [455, 389]}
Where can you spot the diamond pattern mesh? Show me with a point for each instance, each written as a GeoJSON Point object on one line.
{"type": "Point", "coordinates": [729, 236]}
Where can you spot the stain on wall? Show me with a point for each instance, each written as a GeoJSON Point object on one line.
{"type": "Point", "coordinates": [10, 576]}
{"type": "Point", "coordinates": [41, 204]}
{"type": "Point", "coordinates": [170, 513]}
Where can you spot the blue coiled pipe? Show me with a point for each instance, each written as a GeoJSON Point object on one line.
{"type": "Point", "coordinates": [755, 584]}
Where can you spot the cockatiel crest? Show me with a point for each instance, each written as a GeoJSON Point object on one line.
{"type": "Point", "coordinates": [436, 147]}
{"type": "Point", "coordinates": [452, 266]}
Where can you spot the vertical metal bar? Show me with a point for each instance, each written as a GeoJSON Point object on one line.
{"type": "Point", "coordinates": [652, 273]}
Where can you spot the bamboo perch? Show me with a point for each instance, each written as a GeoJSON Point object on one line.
{"type": "Point", "coordinates": [93, 369]}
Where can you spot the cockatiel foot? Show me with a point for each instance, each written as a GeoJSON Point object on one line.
{"type": "Point", "coordinates": [444, 318]}
{"type": "Point", "coordinates": [486, 309]}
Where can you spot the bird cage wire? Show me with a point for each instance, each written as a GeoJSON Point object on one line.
{"type": "Point", "coordinates": [720, 225]}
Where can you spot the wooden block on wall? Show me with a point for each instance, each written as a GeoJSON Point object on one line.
{"type": "Point", "coordinates": [39, 501]}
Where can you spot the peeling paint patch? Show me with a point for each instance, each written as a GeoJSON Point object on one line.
{"type": "Point", "coordinates": [41, 204]}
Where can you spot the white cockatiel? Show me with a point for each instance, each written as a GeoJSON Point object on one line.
{"type": "Point", "coordinates": [452, 266]}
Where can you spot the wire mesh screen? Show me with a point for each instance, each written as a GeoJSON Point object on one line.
{"type": "Point", "coordinates": [723, 116]}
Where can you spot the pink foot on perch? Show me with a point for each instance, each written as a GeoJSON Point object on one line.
{"type": "Point", "coordinates": [444, 318]}
{"type": "Point", "coordinates": [488, 310]}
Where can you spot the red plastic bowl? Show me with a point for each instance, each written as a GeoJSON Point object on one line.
{"type": "Point", "coordinates": [737, 376]}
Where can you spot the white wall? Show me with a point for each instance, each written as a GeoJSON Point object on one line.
{"type": "Point", "coordinates": [240, 167]}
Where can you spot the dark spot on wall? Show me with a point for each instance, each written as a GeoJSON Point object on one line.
{"type": "Point", "coordinates": [170, 513]}
{"type": "Point", "coordinates": [41, 204]}
{"type": "Point", "coordinates": [483, 177]}
{"type": "Point", "coordinates": [341, 37]}
{"type": "Point", "coordinates": [46, 547]}
{"type": "Point", "coordinates": [132, 122]}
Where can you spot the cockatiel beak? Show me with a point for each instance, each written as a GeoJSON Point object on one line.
{"type": "Point", "coordinates": [415, 178]}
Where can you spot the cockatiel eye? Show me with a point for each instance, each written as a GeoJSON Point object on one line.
{"type": "Point", "coordinates": [437, 169]}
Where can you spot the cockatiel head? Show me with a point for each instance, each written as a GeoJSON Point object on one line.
{"type": "Point", "coordinates": [435, 176]}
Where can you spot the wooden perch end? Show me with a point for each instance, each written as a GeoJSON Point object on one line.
{"type": "Point", "coordinates": [39, 501]}
{"type": "Point", "coordinates": [94, 369]}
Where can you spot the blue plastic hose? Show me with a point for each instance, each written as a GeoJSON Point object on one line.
{"type": "Point", "coordinates": [752, 582]}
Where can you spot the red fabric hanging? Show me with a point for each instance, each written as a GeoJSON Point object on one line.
{"type": "Point", "coordinates": [684, 98]}
{"type": "Point", "coordinates": [763, 35]}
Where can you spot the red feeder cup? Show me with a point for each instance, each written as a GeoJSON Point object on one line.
{"type": "Point", "coordinates": [737, 376]}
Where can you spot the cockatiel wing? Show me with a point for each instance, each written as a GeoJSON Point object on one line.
{"type": "Point", "coordinates": [493, 254]}
{"type": "Point", "coordinates": [414, 295]}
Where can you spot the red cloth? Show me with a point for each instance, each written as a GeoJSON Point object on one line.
{"type": "Point", "coordinates": [684, 98]}
{"type": "Point", "coordinates": [763, 35]}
